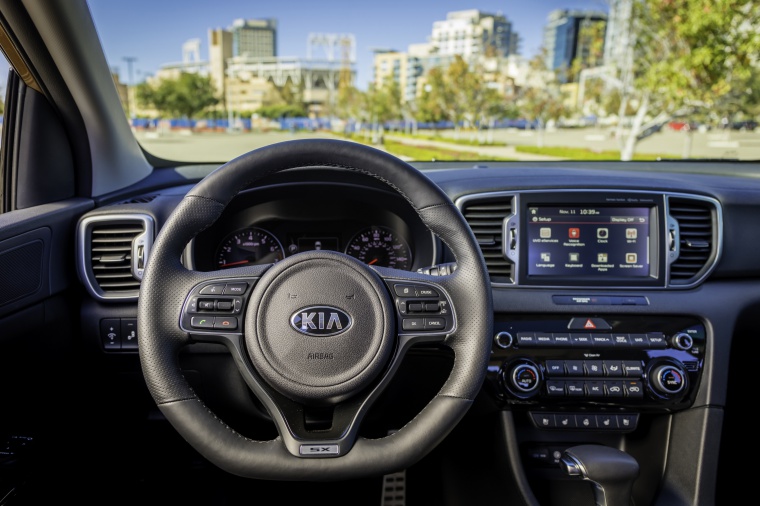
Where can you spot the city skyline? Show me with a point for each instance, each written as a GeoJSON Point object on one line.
{"type": "Point", "coordinates": [161, 42]}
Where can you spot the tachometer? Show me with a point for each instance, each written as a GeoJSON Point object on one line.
{"type": "Point", "coordinates": [247, 247]}
{"type": "Point", "coordinates": [380, 246]}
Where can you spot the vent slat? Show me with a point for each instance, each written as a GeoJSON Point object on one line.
{"type": "Point", "coordinates": [486, 220]}
{"type": "Point", "coordinates": [695, 224]}
{"type": "Point", "coordinates": [111, 255]}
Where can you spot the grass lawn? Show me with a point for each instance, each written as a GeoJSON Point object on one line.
{"type": "Point", "coordinates": [464, 139]}
{"type": "Point", "coordinates": [433, 153]}
{"type": "Point", "coordinates": [584, 154]}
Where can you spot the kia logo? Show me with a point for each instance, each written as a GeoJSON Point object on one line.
{"type": "Point", "coordinates": [320, 321]}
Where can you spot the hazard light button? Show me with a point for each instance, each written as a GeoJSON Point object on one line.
{"type": "Point", "coordinates": [588, 324]}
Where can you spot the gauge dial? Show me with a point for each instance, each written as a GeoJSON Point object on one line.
{"type": "Point", "coordinates": [247, 247]}
{"type": "Point", "coordinates": [380, 246]}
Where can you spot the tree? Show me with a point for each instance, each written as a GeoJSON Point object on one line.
{"type": "Point", "coordinates": [543, 100]}
{"type": "Point", "coordinates": [183, 97]}
{"type": "Point", "coordinates": [383, 104]}
{"type": "Point", "coordinates": [687, 55]}
{"type": "Point", "coordinates": [449, 92]}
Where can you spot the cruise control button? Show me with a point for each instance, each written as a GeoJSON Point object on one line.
{"type": "Point", "coordinates": [235, 288]}
{"type": "Point", "coordinates": [404, 290]}
{"type": "Point", "coordinates": [425, 291]}
{"type": "Point", "coordinates": [202, 322]}
{"type": "Point", "coordinates": [212, 289]}
{"type": "Point", "coordinates": [435, 323]}
{"type": "Point", "coordinates": [225, 322]}
{"type": "Point", "coordinates": [431, 307]}
{"type": "Point", "coordinates": [413, 324]}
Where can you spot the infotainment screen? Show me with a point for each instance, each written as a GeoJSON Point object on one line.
{"type": "Point", "coordinates": [588, 241]}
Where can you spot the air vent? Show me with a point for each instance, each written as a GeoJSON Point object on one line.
{"type": "Point", "coordinates": [112, 253]}
{"type": "Point", "coordinates": [143, 199]}
{"type": "Point", "coordinates": [486, 219]}
{"type": "Point", "coordinates": [697, 239]}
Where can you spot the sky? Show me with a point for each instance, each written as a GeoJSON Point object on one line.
{"type": "Point", "coordinates": [153, 31]}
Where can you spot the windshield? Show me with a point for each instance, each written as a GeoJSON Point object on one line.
{"type": "Point", "coordinates": [441, 80]}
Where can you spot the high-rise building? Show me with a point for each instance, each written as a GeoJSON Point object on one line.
{"type": "Point", "coordinates": [571, 35]}
{"type": "Point", "coordinates": [401, 68]}
{"type": "Point", "coordinates": [254, 38]}
{"type": "Point", "coordinates": [618, 44]}
{"type": "Point", "coordinates": [219, 51]}
{"type": "Point", "coordinates": [473, 33]}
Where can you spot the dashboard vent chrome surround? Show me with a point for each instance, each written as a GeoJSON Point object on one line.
{"type": "Point", "coordinates": [112, 251]}
{"type": "Point", "coordinates": [486, 216]}
{"type": "Point", "coordinates": [696, 238]}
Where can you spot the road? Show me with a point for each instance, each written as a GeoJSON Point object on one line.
{"type": "Point", "coordinates": [219, 146]}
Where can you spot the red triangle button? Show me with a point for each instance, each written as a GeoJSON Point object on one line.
{"type": "Point", "coordinates": [589, 324]}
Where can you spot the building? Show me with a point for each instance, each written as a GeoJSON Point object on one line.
{"type": "Point", "coordinates": [618, 43]}
{"type": "Point", "coordinates": [472, 33]}
{"type": "Point", "coordinates": [574, 35]}
{"type": "Point", "coordinates": [402, 68]}
{"type": "Point", "coordinates": [254, 38]}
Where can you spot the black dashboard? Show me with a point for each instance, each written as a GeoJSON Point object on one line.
{"type": "Point", "coordinates": [604, 285]}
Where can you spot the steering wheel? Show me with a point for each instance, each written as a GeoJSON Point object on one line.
{"type": "Point", "coordinates": [317, 330]}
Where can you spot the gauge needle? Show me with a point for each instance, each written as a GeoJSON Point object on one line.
{"type": "Point", "coordinates": [240, 262]}
{"type": "Point", "coordinates": [373, 261]}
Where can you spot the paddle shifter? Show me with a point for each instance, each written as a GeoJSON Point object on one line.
{"type": "Point", "coordinates": [612, 472]}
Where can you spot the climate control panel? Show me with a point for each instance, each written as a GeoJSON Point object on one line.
{"type": "Point", "coordinates": [578, 362]}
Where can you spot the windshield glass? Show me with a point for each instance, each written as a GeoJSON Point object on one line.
{"type": "Point", "coordinates": [441, 80]}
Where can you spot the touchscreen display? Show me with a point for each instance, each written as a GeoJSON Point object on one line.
{"type": "Point", "coordinates": [580, 241]}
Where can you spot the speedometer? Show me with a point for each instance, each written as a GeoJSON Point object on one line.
{"type": "Point", "coordinates": [380, 246]}
{"type": "Point", "coordinates": [247, 247]}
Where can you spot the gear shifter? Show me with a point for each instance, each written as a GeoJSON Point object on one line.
{"type": "Point", "coordinates": [612, 472]}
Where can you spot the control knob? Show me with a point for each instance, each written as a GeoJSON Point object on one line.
{"type": "Point", "coordinates": [682, 341]}
{"type": "Point", "coordinates": [668, 379]}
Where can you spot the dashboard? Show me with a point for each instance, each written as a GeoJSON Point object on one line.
{"type": "Point", "coordinates": [604, 282]}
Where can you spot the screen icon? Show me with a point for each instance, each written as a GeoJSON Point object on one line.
{"type": "Point", "coordinates": [545, 232]}
{"type": "Point", "coordinates": [631, 233]}
{"type": "Point", "coordinates": [630, 258]}
{"type": "Point", "coordinates": [546, 257]}
{"type": "Point", "coordinates": [574, 233]}
{"type": "Point", "coordinates": [575, 257]}
{"type": "Point", "coordinates": [602, 233]}
{"type": "Point", "coordinates": [601, 258]}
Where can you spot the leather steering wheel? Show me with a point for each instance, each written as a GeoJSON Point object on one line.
{"type": "Point", "coordinates": [318, 329]}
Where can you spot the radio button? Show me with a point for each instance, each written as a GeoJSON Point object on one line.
{"type": "Point", "coordinates": [639, 341]}
{"type": "Point", "coordinates": [575, 388]}
{"type": "Point", "coordinates": [562, 339]}
{"type": "Point", "coordinates": [574, 367]}
{"type": "Point", "coordinates": [527, 339]}
{"type": "Point", "coordinates": [594, 368]}
{"type": "Point", "coordinates": [581, 340]}
{"type": "Point", "coordinates": [657, 340]}
{"type": "Point", "coordinates": [555, 368]}
{"type": "Point", "coordinates": [632, 368]}
{"type": "Point", "coordinates": [603, 340]}
{"type": "Point", "coordinates": [621, 339]}
{"type": "Point", "coordinates": [613, 367]}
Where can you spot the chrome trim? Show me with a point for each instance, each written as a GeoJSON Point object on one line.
{"type": "Point", "coordinates": [323, 326]}
{"type": "Point", "coordinates": [83, 253]}
{"type": "Point", "coordinates": [717, 233]}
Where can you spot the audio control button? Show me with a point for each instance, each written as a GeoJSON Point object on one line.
{"type": "Point", "coordinates": [562, 339]}
{"type": "Point", "coordinates": [503, 340]}
{"type": "Point", "coordinates": [682, 341]}
{"type": "Point", "coordinates": [527, 339]}
{"type": "Point", "coordinates": [544, 339]}
{"type": "Point", "coordinates": [621, 339]}
{"type": "Point", "coordinates": [581, 340]}
{"type": "Point", "coordinates": [602, 340]}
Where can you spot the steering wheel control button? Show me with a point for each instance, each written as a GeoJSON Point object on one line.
{"type": "Point", "coordinates": [435, 323]}
{"type": "Point", "coordinates": [425, 291]}
{"type": "Point", "coordinates": [224, 305]}
{"type": "Point", "coordinates": [588, 324]}
{"type": "Point", "coordinates": [207, 305]}
{"type": "Point", "coordinates": [415, 307]}
{"type": "Point", "coordinates": [404, 290]}
{"type": "Point", "coordinates": [235, 288]}
{"type": "Point", "coordinates": [432, 307]}
{"type": "Point", "coordinates": [215, 289]}
{"type": "Point", "coordinates": [413, 324]}
{"type": "Point", "coordinates": [225, 323]}
{"type": "Point", "coordinates": [202, 322]}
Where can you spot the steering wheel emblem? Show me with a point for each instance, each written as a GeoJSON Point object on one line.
{"type": "Point", "coordinates": [321, 321]}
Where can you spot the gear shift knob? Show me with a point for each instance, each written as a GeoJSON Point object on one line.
{"type": "Point", "coordinates": [612, 472]}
